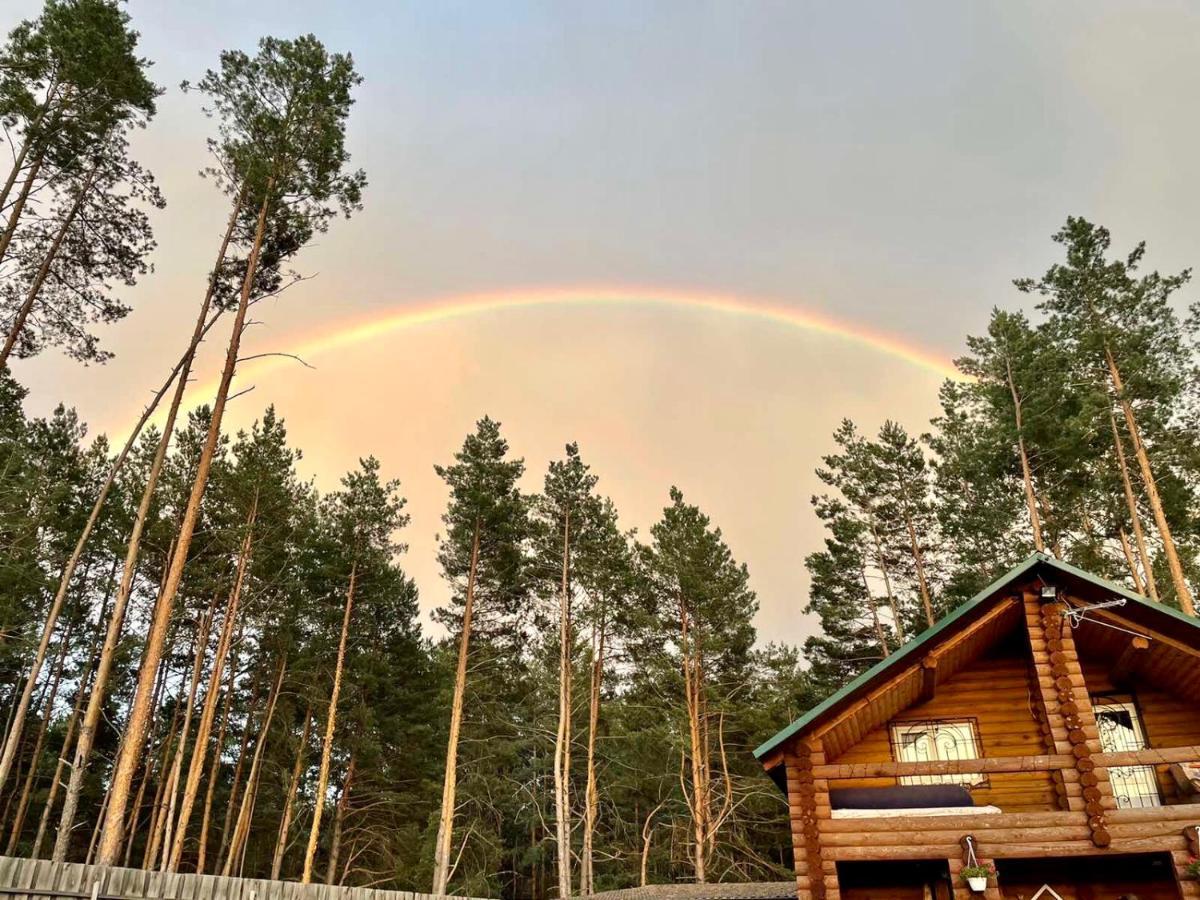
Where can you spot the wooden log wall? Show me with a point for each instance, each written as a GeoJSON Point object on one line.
{"type": "Point", "coordinates": [1032, 834]}
{"type": "Point", "coordinates": [994, 691]}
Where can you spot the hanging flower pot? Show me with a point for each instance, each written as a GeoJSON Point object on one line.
{"type": "Point", "coordinates": [976, 876]}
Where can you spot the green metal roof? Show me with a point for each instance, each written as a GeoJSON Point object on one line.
{"type": "Point", "coordinates": [1023, 568]}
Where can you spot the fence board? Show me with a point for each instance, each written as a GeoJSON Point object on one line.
{"type": "Point", "coordinates": [40, 879]}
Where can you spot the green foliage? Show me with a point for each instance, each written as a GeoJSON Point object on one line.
{"type": "Point", "coordinates": [71, 78]}
{"type": "Point", "coordinates": [1037, 416]}
{"type": "Point", "coordinates": [75, 223]}
{"type": "Point", "coordinates": [282, 124]}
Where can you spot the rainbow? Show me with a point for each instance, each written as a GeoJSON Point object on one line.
{"type": "Point", "coordinates": [449, 308]}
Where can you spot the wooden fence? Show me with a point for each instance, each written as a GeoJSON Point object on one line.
{"type": "Point", "coordinates": [41, 879]}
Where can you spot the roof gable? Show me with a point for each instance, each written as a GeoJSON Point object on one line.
{"type": "Point", "coordinates": [962, 617]}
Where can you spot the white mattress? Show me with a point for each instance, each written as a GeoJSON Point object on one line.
{"type": "Point", "coordinates": [916, 811]}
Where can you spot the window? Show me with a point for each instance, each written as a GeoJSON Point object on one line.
{"type": "Point", "coordinates": [937, 740]}
{"type": "Point", "coordinates": [1120, 729]}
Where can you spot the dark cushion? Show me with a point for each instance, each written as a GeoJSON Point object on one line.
{"type": "Point", "coordinates": [905, 796]}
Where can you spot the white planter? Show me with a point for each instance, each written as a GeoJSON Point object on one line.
{"type": "Point", "coordinates": [977, 883]}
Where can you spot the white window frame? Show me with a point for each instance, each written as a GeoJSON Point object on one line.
{"type": "Point", "coordinates": [966, 745]}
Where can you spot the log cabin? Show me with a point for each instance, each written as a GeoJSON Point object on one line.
{"type": "Point", "coordinates": [1048, 729]}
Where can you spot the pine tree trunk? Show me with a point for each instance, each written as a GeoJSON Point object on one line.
{"type": "Point", "coordinates": [339, 819]}
{"type": "Point", "coordinates": [1178, 579]}
{"type": "Point", "coordinates": [53, 95]}
{"type": "Point", "coordinates": [242, 829]}
{"type": "Point", "coordinates": [919, 560]}
{"type": "Point", "coordinates": [18, 164]}
{"type": "Point", "coordinates": [72, 724]}
{"type": "Point", "coordinates": [134, 812]}
{"type": "Point", "coordinates": [18, 207]}
{"type": "Point", "coordinates": [110, 839]}
{"type": "Point", "coordinates": [159, 815]}
{"type": "Point", "coordinates": [214, 771]}
{"type": "Point", "coordinates": [314, 833]}
{"type": "Point", "coordinates": [881, 561]}
{"type": "Point", "coordinates": [289, 805]}
{"type": "Point", "coordinates": [1138, 585]}
{"type": "Point", "coordinates": [1131, 503]}
{"type": "Point", "coordinates": [91, 719]}
{"type": "Point", "coordinates": [879, 635]}
{"type": "Point", "coordinates": [699, 801]}
{"type": "Point", "coordinates": [38, 744]}
{"type": "Point", "coordinates": [39, 279]}
{"type": "Point", "coordinates": [148, 773]}
{"type": "Point", "coordinates": [647, 831]}
{"type": "Point", "coordinates": [587, 881]}
{"type": "Point", "coordinates": [562, 738]}
{"type": "Point", "coordinates": [200, 752]}
{"type": "Point", "coordinates": [181, 747]}
{"type": "Point", "coordinates": [232, 804]}
{"type": "Point", "coordinates": [1035, 522]}
{"type": "Point", "coordinates": [10, 796]}
{"type": "Point", "coordinates": [445, 833]}
{"type": "Point", "coordinates": [87, 860]}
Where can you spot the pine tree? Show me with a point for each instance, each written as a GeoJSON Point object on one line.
{"type": "Point", "coordinates": [482, 555]}
{"type": "Point", "coordinates": [282, 148]}
{"type": "Point", "coordinates": [363, 518]}
{"type": "Point", "coordinates": [569, 513]}
{"type": "Point", "coordinates": [607, 573]}
{"type": "Point", "coordinates": [697, 585]}
{"type": "Point", "coordinates": [70, 81]}
{"type": "Point", "coordinates": [66, 262]}
{"type": "Point", "coordinates": [1122, 324]}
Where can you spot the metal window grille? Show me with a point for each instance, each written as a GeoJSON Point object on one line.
{"type": "Point", "coordinates": [1120, 729]}
{"type": "Point", "coordinates": [937, 740]}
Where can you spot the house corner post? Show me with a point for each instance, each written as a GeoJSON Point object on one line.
{"type": "Point", "coordinates": [806, 853]}
{"type": "Point", "coordinates": [814, 749]}
{"type": "Point", "coordinates": [1069, 718]}
{"type": "Point", "coordinates": [808, 805]}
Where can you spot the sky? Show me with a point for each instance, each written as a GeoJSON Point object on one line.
{"type": "Point", "coordinates": [888, 168]}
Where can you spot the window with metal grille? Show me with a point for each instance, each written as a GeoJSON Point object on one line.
{"type": "Point", "coordinates": [937, 740]}
{"type": "Point", "coordinates": [1120, 729]}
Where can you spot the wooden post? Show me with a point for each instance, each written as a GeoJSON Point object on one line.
{"type": "Point", "coordinates": [1069, 721]}
{"type": "Point", "coordinates": [808, 801]}
{"type": "Point", "coordinates": [814, 748]}
{"type": "Point", "coordinates": [806, 847]}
